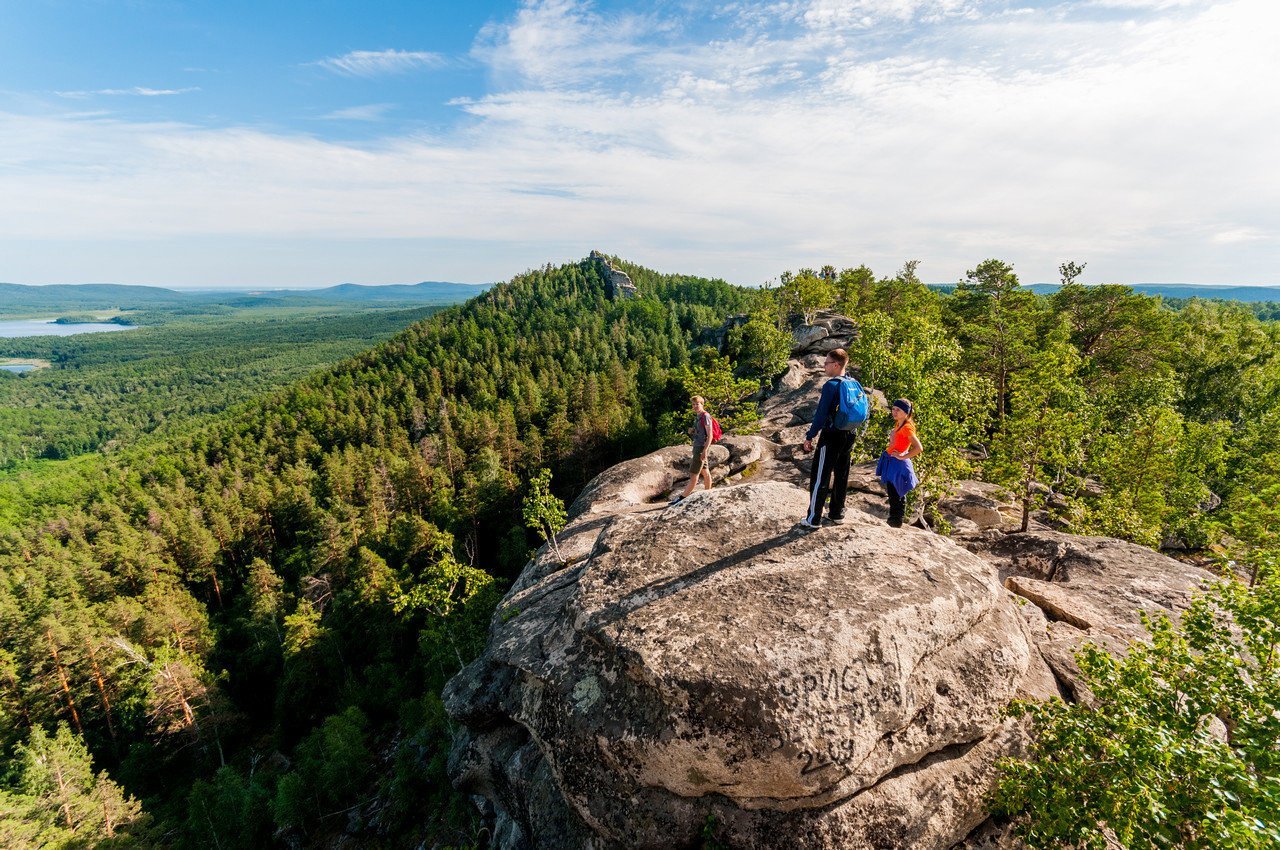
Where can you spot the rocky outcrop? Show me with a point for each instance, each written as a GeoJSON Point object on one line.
{"type": "Point", "coordinates": [711, 666]}
{"type": "Point", "coordinates": [837, 689]}
{"type": "Point", "coordinates": [828, 331]}
{"type": "Point", "coordinates": [617, 282]}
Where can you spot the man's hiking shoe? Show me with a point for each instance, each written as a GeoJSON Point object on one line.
{"type": "Point", "coordinates": [836, 520]}
{"type": "Point", "coordinates": [675, 500]}
{"type": "Point", "coordinates": [804, 523]}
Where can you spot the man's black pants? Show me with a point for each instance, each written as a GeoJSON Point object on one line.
{"type": "Point", "coordinates": [829, 473]}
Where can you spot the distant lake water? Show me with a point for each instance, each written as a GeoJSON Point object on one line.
{"type": "Point", "coordinates": [47, 327]}
{"type": "Point", "coordinates": [17, 367]}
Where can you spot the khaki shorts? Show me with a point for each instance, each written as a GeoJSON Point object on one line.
{"type": "Point", "coordinates": [698, 462]}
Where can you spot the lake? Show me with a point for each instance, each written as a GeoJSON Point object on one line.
{"type": "Point", "coordinates": [18, 367]}
{"type": "Point", "coordinates": [46, 327]}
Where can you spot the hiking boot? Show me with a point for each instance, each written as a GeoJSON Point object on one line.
{"type": "Point", "coordinates": [675, 500]}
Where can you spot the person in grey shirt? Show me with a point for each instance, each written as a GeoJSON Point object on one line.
{"type": "Point", "coordinates": [701, 432]}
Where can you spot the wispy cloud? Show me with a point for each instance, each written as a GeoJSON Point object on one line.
{"type": "Point", "coordinates": [956, 133]}
{"type": "Point", "coordinates": [138, 91]}
{"type": "Point", "coordinates": [367, 112]}
{"type": "Point", "coordinates": [375, 63]}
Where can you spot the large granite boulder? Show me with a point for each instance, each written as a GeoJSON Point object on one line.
{"type": "Point", "coordinates": [712, 662]}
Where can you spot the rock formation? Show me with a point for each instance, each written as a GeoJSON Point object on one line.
{"type": "Point", "coordinates": [712, 666]}
{"type": "Point", "coordinates": [617, 282]}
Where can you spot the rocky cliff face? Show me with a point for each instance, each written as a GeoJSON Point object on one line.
{"type": "Point", "coordinates": [617, 282]}
{"type": "Point", "coordinates": [713, 666]}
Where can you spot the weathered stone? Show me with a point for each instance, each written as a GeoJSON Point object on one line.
{"type": "Point", "coordinates": [985, 505]}
{"type": "Point", "coordinates": [831, 343]}
{"type": "Point", "coordinates": [805, 337]}
{"type": "Point", "coordinates": [992, 835]}
{"type": "Point", "coordinates": [1095, 583]}
{"type": "Point", "coordinates": [711, 657]}
{"type": "Point", "coordinates": [796, 376]}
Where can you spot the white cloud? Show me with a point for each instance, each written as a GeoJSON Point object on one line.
{"type": "Point", "coordinates": [375, 63]}
{"type": "Point", "coordinates": [139, 91]}
{"type": "Point", "coordinates": [560, 43]}
{"type": "Point", "coordinates": [1143, 149]}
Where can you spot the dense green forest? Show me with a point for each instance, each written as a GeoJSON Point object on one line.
{"type": "Point", "coordinates": [104, 391]}
{"type": "Point", "coordinates": [246, 623]}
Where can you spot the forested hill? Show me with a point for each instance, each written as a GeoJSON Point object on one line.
{"type": "Point", "coordinates": [248, 624]}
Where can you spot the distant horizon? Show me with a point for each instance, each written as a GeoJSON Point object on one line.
{"type": "Point", "coordinates": [267, 288]}
{"type": "Point", "coordinates": [246, 288]}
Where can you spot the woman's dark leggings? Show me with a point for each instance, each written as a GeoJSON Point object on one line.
{"type": "Point", "coordinates": [897, 505]}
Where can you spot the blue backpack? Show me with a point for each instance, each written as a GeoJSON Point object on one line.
{"type": "Point", "coordinates": [852, 405]}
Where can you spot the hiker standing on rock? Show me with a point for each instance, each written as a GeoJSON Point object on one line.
{"type": "Point", "coordinates": [897, 472]}
{"type": "Point", "coordinates": [842, 409]}
{"type": "Point", "coordinates": [704, 434]}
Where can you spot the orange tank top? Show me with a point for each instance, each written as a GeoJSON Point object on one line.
{"type": "Point", "coordinates": [900, 440]}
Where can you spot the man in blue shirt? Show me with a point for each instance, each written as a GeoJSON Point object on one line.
{"type": "Point", "coordinates": [830, 470]}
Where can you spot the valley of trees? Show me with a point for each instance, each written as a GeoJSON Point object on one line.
{"type": "Point", "coordinates": [234, 634]}
{"type": "Point", "coordinates": [103, 392]}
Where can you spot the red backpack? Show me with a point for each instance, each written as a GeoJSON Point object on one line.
{"type": "Point", "coordinates": [716, 431]}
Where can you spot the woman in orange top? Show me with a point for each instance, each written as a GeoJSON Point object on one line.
{"type": "Point", "coordinates": [896, 471]}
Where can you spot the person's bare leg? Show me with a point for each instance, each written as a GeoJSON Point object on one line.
{"type": "Point", "coordinates": [706, 478]}
{"type": "Point", "coordinates": [688, 488]}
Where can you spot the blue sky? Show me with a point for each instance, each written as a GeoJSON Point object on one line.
{"type": "Point", "coordinates": [305, 144]}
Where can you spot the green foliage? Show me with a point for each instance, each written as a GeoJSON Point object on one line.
{"type": "Point", "coordinates": [1153, 474]}
{"type": "Point", "coordinates": [331, 767]}
{"type": "Point", "coordinates": [729, 399]}
{"type": "Point", "coordinates": [1043, 435]}
{"type": "Point", "coordinates": [803, 294]}
{"type": "Point", "coordinates": [854, 289]}
{"type": "Point", "coordinates": [760, 348]}
{"type": "Point", "coordinates": [543, 512]}
{"type": "Point", "coordinates": [107, 391]}
{"type": "Point", "coordinates": [232, 811]}
{"type": "Point", "coordinates": [907, 356]}
{"type": "Point", "coordinates": [214, 597]}
{"type": "Point", "coordinates": [1179, 745]}
{"type": "Point", "coordinates": [997, 322]}
{"type": "Point", "coordinates": [56, 800]}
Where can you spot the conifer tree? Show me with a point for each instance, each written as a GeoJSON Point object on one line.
{"type": "Point", "coordinates": [1044, 431]}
